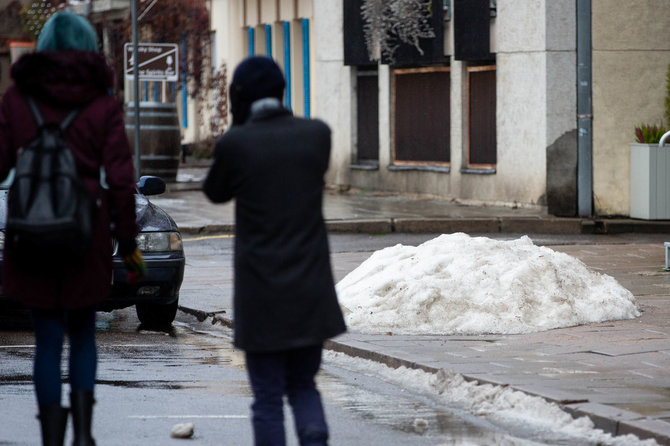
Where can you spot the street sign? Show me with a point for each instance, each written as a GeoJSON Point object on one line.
{"type": "Point", "coordinates": [157, 61]}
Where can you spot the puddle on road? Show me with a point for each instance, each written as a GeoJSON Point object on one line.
{"type": "Point", "coordinates": [15, 379]}
{"type": "Point", "coordinates": [153, 384]}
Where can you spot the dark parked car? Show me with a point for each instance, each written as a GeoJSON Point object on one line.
{"type": "Point", "coordinates": [156, 297]}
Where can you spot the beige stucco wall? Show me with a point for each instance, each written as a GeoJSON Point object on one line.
{"type": "Point", "coordinates": [331, 88]}
{"type": "Point", "coordinates": [535, 95]}
{"type": "Point", "coordinates": [535, 106]}
{"type": "Point", "coordinates": [231, 19]}
{"type": "Point", "coordinates": [329, 78]}
{"type": "Point", "coordinates": [631, 53]}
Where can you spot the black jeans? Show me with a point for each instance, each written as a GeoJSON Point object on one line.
{"type": "Point", "coordinates": [291, 373]}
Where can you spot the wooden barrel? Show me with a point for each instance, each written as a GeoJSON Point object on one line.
{"type": "Point", "coordinates": [160, 138]}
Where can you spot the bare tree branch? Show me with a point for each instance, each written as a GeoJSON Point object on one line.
{"type": "Point", "coordinates": [389, 23]}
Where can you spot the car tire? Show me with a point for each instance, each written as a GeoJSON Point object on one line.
{"type": "Point", "coordinates": [157, 315]}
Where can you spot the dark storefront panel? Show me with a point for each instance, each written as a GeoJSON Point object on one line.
{"type": "Point", "coordinates": [422, 116]}
{"type": "Point", "coordinates": [367, 101]}
{"type": "Point", "coordinates": [482, 115]}
{"type": "Point", "coordinates": [432, 48]}
{"type": "Point", "coordinates": [472, 29]}
{"type": "Point", "coordinates": [355, 49]}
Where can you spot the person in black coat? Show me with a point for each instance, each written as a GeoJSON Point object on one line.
{"type": "Point", "coordinates": [285, 305]}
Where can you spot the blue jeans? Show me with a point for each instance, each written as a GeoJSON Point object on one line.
{"type": "Point", "coordinates": [291, 373]}
{"type": "Point", "coordinates": [50, 327]}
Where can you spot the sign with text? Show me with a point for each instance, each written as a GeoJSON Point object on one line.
{"type": "Point", "coordinates": [157, 61]}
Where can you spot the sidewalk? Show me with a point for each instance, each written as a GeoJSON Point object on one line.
{"type": "Point", "coordinates": [368, 212]}
{"type": "Point", "coordinates": [617, 373]}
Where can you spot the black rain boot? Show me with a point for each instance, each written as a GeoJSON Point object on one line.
{"type": "Point", "coordinates": [82, 415]}
{"type": "Point", "coordinates": [53, 420]}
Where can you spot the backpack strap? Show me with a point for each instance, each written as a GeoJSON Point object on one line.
{"type": "Point", "coordinates": [68, 120]}
{"type": "Point", "coordinates": [40, 121]}
{"type": "Point", "coordinates": [35, 111]}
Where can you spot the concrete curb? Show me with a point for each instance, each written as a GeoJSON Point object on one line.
{"type": "Point", "coordinates": [509, 225]}
{"type": "Point", "coordinates": [609, 419]}
{"type": "Point", "coordinates": [367, 226]}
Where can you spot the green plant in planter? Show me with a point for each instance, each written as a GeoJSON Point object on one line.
{"type": "Point", "coordinates": [649, 134]}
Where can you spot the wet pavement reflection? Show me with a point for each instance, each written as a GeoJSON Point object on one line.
{"type": "Point", "coordinates": [149, 380]}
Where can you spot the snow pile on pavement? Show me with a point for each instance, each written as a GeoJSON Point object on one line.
{"type": "Point", "coordinates": [503, 406]}
{"type": "Point", "coordinates": [457, 284]}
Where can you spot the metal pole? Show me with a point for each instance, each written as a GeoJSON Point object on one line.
{"type": "Point", "coordinates": [584, 111]}
{"type": "Point", "coordinates": [664, 138]}
{"type": "Point", "coordinates": [136, 87]}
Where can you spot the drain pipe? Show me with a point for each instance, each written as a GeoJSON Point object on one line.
{"type": "Point", "coordinates": [584, 111]}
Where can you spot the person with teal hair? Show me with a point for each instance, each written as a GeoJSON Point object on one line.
{"type": "Point", "coordinates": [66, 73]}
{"type": "Point", "coordinates": [67, 31]}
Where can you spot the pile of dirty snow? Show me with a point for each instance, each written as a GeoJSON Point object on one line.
{"type": "Point", "coordinates": [457, 284]}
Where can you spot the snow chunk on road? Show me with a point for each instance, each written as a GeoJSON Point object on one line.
{"type": "Point", "coordinates": [457, 284]}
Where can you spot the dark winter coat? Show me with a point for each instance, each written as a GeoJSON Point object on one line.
{"type": "Point", "coordinates": [61, 81]}
{"type": "Point", "coordinates": [284, 291]}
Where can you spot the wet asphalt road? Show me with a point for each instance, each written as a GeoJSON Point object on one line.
{"type": "Point", "coordinates": [148, 381]}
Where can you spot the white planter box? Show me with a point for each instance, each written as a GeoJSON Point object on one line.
{"type": "Point", "coordinates": [649, 182]}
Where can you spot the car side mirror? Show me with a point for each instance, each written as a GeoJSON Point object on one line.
{"type": "Point", "coordinates": [150, 185]}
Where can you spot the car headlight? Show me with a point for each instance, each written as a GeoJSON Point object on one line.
{"type": "Point", "coordinates": [159, 241]}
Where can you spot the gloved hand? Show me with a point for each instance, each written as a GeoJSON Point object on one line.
{"type": "Point", "coordinates": [134, 263]}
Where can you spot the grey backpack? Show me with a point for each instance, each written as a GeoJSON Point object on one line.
{"type": "Point", "coordinates": [49, 212]}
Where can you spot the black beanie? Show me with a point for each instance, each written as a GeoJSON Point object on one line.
{"type": "Point", "coordinates": [258, 77]}
{"type": "Point", "coordinates": [254, 78]}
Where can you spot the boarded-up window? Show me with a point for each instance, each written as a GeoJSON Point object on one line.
{"type": "Point", "coordinates": [422, 116]}
{"type": "Point", "coordinates": [367, 102]}
{"type": "Point", "coordinates": [482, 116]}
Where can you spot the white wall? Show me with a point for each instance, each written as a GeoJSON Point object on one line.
{"type": "Point", "coordinates": [535, 106]}
{"type": "Point", "coordinates": [534, 42]}
{"type": "Point", "coordinates": [331, 86]}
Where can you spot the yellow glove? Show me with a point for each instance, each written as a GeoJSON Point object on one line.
{"type": "Point", "coordinates": [134, 263]}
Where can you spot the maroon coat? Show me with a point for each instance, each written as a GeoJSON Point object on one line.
{"type": "Point", "coordinates": [61, 81]}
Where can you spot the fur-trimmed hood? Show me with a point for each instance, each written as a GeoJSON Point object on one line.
{"type": "Point", "coordinates": [63, 78]}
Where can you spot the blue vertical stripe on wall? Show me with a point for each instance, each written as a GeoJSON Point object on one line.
{"type": "Point", "coordinates": [287, 63]}
{"type": "Point", "coordinates": [184, 91]}
{"type": "Point", "coordinates": [157, 94]}
{"type": "Point", "coordinates": [146, 90]}
{"type": "Point", "coordinates": [252, 41]}
{"type": "Point", "coordinates": [305, 64]}
{"type": "Point", "coordinates": [268, 40]}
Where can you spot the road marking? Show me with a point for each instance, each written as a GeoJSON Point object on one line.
{"type": "Point", "coordinates": [17, 346]}
{"type": "Point", "coordinates": [207, 237]}
{"type": "Point", "coordinates": [155, 417]}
